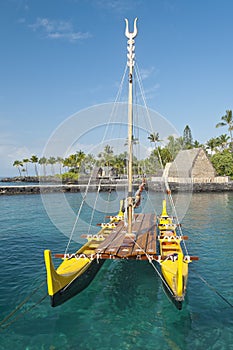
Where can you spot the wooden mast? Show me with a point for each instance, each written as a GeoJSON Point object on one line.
{"type": "Point", "coordinates": [130, 63]}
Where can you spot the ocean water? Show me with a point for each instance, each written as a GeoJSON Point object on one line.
{"type": "Point", "coordinates": [125, 306]}
{"type": "Point", "coordinates": [18, 183]}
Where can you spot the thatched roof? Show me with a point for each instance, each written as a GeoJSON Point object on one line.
{"type": "Point", "coordinates": [191, 163]}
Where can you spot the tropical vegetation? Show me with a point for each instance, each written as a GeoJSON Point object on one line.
{"type": "Point", "coordinates": [219, 150]}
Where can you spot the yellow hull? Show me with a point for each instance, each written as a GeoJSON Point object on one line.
{"type": "Point", "coordinates": [175, 274]}
{"type": "Point", "coordinates": [69, 270]}
{"type": "Point", "coordinates": [174, 267]}
{"type": "Point", "coordinates": [77, 270]}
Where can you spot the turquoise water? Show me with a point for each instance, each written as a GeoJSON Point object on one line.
{"type": "Point", "coordinates": [125, 307]}
{"type": "Point", "coordinates": [19, 183]}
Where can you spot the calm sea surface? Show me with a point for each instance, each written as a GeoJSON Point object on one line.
{"type": "Point", "coordinates": [125, 307]}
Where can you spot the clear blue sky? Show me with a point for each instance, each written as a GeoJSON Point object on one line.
{"type": "Point", "coordinates": [60, 56]}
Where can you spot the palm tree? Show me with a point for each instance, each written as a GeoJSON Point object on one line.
{"type": "Point", "coordinates": [43, 161]}
{"type": "Point", "coordinates": [223, 141]}
{"type": "Point", "coordinates": [66, 163]}
{"type": "Point", "coordinates": [212, 144]}
{"type": "Point", "coordinates": [18, 164]}
{"type": "Point", "coordinates": [72, 161]}
{"type": "Point", "coordinates": [52, 161]}
{"type": "Point", "coordinates": [60, 161]}
{"type": "Point", "coordinates": [89, 163]}
{"type": "Point", "coordinates": [154, 137]}
{"type": "Point", "coordinates": [106, 156]}
{"type": "Point", "coordinates": [80, 156]}
{"type": "Point", "coordinates": [197, 144]}
{"type": "Point", "coordinates": [34, 159]}
{"type": "Point", "coordinates": [174, 145]}
{"type": "Point", "coordinates": [227, 121]}
{"type": "Point", "coordinates": [25, 161]}
{"type": "Point", "coordinates": [120, 163]}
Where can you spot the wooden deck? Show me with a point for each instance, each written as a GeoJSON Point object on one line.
{"type": "Point", "coordinates": [118, 245]}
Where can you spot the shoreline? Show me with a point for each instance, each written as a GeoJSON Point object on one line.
{"type": "Point", "coordinates": [152, 185]}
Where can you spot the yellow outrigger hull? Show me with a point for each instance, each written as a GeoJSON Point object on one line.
{"type": "Point", "coordinates": [62, 283]}
{"type": "Point", "coordinates": [174, 267]}
{"type": "Point", "coordinates": [76, 271]}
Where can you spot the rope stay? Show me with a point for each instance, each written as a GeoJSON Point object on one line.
{"type": "Point", "coordinates": [153, 265]}
{"type": "Point", "coordinates": [4, 324]}
{"type": "Point", "coordinates": [89, 181]}
{"type": "Point", "coordinates": [93, 209]}
{"type": "Point", "coordinates": [78, 214]}
{"type": "Point", "coordinates": [213, 289]}
{"type": "Point", "coordinates": [114, 105]}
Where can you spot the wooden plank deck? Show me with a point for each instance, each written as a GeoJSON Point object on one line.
{"type": "Point", "coordinates": [119, 245]}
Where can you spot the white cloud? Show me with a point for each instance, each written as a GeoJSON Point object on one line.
{"type": "Point", "coordinates": [10, 150]}
{"type": "Point", "coordinates": [117, 5]}
{"type": "Point", "coordinates": [146, 73]}
{"type": "Point", "coordinates": [8, 154]}
{"type": "Point", "coordinates": [58, 29]}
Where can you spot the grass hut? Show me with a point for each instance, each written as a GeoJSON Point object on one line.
{"type": "Point", "coordinates": [193, 164]}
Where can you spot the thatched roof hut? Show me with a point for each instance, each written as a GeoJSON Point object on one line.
{"type": "Point", "coordinates": [192, 163]}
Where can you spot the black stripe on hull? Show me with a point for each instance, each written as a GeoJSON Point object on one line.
{"type": "Point", "coordinates": [77, 285]}
{"type": "Point", "coordinates": [171, 296]}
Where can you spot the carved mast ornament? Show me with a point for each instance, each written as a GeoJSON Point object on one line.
{"type": "Point", "coordinates": [130, 63]}
{"type": "Point", "coordinates": [131, 47]}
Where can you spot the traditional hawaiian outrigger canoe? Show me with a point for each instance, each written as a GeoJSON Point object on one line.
{"type": "Point", "coordinates": [125, 236]}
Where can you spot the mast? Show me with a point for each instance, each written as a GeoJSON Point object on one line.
{"type": "Point", "coordinates": [130, 63]}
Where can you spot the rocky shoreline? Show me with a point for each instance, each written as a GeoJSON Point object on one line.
{"type": "Point", "coordinates": [74, 188]}
{"type": "Point", "coordinates": [30, 179]}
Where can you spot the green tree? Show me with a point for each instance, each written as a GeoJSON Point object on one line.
{"type": "Point", "coordinates": [74, 161]}
{"type": "Point", "coordinates": [18, 164]}
{"type": "Point", "coordinates": [25, 161]}
{"type": "Point", "coordinates": [34, 159]}
{"type": "Point", "coordinates": [120, 163]}
{"type": "Point", "coordinates": [154, 138]}
{"type": "Point", "coordinates": [223, 163]}
{"type": "Point", "coordinates": [197, 144]}
{"type": "Point", "coordinates": [106, 156]}
{"type": "Point", "coordinates": [174, 146]}
{"type": "Point", "coordinates": [60, 161]}
{"type": "Point", "coordinates": [187, 138]}
{"type": "Point", "coordinates": [80, 156]}
{"type": "Point", "coordinates": [89, 163]}
{"type": "Point", "coordinates": [222, 141]}
{"type": "Point", "coordinates": [43, 162]}
{"type": "Point", "coordinates": [66, 163]}
{"type": "Point", "coordinates": [227, 121]}
{"type": "Point", "coordinates": [212, 144]}
{"type": "Point", "coordinates": [52, 161]}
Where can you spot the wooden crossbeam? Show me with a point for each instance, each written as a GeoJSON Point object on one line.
{"type": "Point", "coordinates": [122, 246]}
{"type": "Point", "coordinates": [151, 241]}
{"type": "Point", "coordinates": [114, 239]}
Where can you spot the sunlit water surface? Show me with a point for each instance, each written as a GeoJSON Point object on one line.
{"type": "Point", "coordinates": [125, 307]}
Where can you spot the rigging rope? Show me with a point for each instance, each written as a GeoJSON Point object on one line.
{"type": "Point", "coordinates": [79, 212]}
{"type": "Point", "coordinates": [87, 188]}
{"type": "Point", "coordinates": [93, 209]}
{"type": "Point", "coordinates": [3, 323]}
{"type": "Point", "coordinates": [115, 104]}
{"type": "Point", "coordinates": [214, 289]}
{"type": "Point", "coordinates": [23, 313]}
{"type": "Point", "coordinates": [151, 262]}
